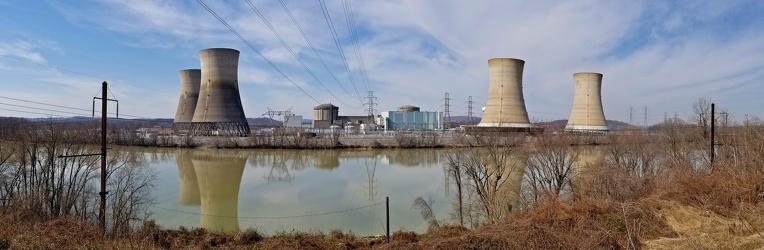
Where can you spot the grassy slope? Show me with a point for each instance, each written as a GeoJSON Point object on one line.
{"type": "Point", "coordinates": [584, 224]}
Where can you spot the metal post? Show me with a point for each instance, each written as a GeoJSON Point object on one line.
{"type": "Point", "coordinates": [102, 209]}
{"type": "Point", "coordinates": [387, 215]}
{"type": "Point", "coordinates": [713, 123]}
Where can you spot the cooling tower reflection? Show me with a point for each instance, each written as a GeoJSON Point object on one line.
{"type": "Point", "coordinates": [211, 181]}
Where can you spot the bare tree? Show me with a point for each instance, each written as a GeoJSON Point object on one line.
{"type": "Point", "coordinates": [492, 173]}
{"type": "Point", "coordinates": [701, 114]}
{"type": "Point", "coordinates": [550, 165]}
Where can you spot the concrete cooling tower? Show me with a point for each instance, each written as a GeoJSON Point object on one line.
{"type": "Point", "coordinates": [189, 94]}
{"type": "Point", "coordinates": [505, 106]}
{"type": "Point", "coordinates": [587, 113]}
{"type": "Point", "coordinates": [219, 110]}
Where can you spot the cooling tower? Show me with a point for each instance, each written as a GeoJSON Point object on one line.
{"type": "Point", "coordinates": [505, 106]}
{"type": "Point", "coordinates": [587, 113]}
{"type": "Point", "coordinates": [189, 94]}
{"type": "Point", "coordinates": [219, 110]}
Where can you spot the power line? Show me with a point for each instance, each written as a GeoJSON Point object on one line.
{"type": "Point", "coordinates": [315, 51]}
{"type": "Point", "coordinates": [41, 103]}
{"type": "Point", "coordinates": [253, 48]}
{"type": "Point", "coordinates": [350, 19]}
{"type": "Point", "coordinates": [289, 49]}
{"type": "Point", "coordinates": [31, 112]}
{"type": "Point", "coordinates": [336, 38]}
{"type": "Point", "coordinates": [43, 109]}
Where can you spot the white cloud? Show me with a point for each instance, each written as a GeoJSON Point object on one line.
{"type": "Point", "coordinates": [658, 54]}
{"type": "Point", "coordinates": [21, 49]}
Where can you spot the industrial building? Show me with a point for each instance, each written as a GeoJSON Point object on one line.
{"type": "Point", "coordinates": [409, 117]}
{"type": "Point", "coordinates": [327, 115]}
{"type": "Point", "coordinates": [505, 105]}
{"type": "Point", "coordinates": [587, 113]}
{"type": "Point", "coordinates": [219, 110]}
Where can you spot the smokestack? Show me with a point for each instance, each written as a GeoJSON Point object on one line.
{"type": "Point", "coordinates": [219, 110]}
{"type": "Point", "coordinates": [587, 113]}
{"type": "Point", "coordinates": [190, 79]}
{"type": "Point", "coordinates": [505, 106]}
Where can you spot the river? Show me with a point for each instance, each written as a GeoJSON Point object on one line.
{"type": "Point", "coordinates": [274, 191]}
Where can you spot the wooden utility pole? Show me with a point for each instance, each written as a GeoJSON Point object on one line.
{"type": "Point", "coordinates": [713, 123]}
{"type": "Point", "coordinates": [102, 208]}
{"type": "Point", "coordinates": [102, 193]}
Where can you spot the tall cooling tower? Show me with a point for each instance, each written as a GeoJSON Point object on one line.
{"type": "Point", "coordinates": [219, 110]}
{"type": "Point", "coordinates": [189, 94]}
{"type": "Point", "coordinates": [505, 106]}
{"type": "Point", "coordinates": [587, 113]}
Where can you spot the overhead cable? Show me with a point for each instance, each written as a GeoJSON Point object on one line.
{"type": "Point", "coordinates": [253, 48]}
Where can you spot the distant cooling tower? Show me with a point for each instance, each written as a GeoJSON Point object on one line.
{"type": "Point", "coordinates": [189, 94]}
{"type": "Point", "coordinates": [219, 110]}
{"type": "Point", "coordinates": [505, 106]}
{"type": "Point", "coordinates": [587, 113]}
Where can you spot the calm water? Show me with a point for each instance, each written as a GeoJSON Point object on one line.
{"type": "Point", "coordinates": [284, 190]}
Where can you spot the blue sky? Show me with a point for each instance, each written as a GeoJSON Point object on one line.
{"type": "Point", "coordinates": [662, 55]}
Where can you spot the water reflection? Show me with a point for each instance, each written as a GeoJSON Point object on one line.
{"type": "Point", "coordinates": [275, 185]}
{"type": "Point", "coordinates": [188, 194]}
{"type": "Point", "coordinates": [212, 181]}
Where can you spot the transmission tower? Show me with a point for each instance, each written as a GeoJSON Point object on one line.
{"type": "Point", "coordinates": [469, 110]}
{"type": "Point", "coordinates": [631, 116]}
{"type": "Point", "coordinates": [370, 105]}
{"type": "Point", "coordinates": [285, 113]}
{"type": "Point", "coordinates": [447, 112]}
{"type": "Point", "coordinates": [645, 124]}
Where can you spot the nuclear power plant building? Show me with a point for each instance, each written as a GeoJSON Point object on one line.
{"type": "Point", "coordinates": [219, 110]}
{"type": "Point", "coordinates": [505, 106]}
{"type": "Point", "coordinates": [409, 117]}
{"type": "Point", "coordinates": [587, 113]}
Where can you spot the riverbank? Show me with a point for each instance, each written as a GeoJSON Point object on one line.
{"type": "Point", "coordinates": [415, 139]}
{"type": "Point", "coordinates": [651, 223]}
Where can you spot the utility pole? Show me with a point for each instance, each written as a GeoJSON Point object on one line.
{"type": "Point", "coordinates": [713, 123]}
{"type": "Point", "coordinates": [447, 112]}
{"type": "Point", "coordinates": [102, 193]}
{"type": "Point", "coordinates": [102, 209]}
{"type": "Point", "coordinates": [469, 110]}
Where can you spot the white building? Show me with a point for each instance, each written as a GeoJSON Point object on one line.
{"type": "Point", "coordinates": [293, 121]}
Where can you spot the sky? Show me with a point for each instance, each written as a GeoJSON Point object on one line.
{"type": "Point", "coordinates": [656, 56]}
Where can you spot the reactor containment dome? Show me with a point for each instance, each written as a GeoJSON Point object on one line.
{"type": "Point", "coordinates": [587, 113]}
